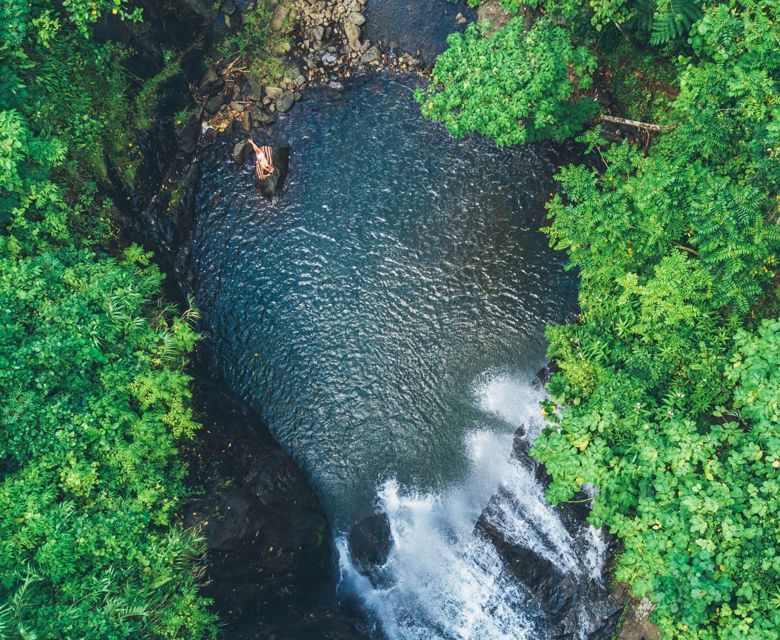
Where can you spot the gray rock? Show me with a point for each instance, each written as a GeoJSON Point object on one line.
{"type": "Point", "coordinates": [254, 90]}
{"type": "Point", "coordinates": [261, 118]}
{"type": "Point", "coordinates": [372, 55]}
{"type": "Point", "coordinates": [200, 7]}
{"type": "Point", "coordinates": [370, 542]}
{"type": "Point", "coordinates": [356, 18]}
{"type": "Point", "coordinates": [285, 101]}
{"type": "Point", "coordinates": [272, 185]}
{"type": "Point", "coordinates": [280, 15]}
{"type": "Point", "coordinates": [329, 59]}
{"type": "Point", "coordinates": [210, 82]}
{"type": "Point", "coordinates": [269, 565]}
{"type": "Point", "coordinates": [493, 12]}
{"type": "Point", "coordinates": [273, 92]}
{"type": "Point", "coordinates": [241, 152]}
{"type": "Point", "coordinates": [352, 32]}
{"type": "Point", "coordinates": [246, 122]}
{"type": "Point", "coordinates": [461, 19]}
{"type": "Point", "coordinates": [318, 33]}
{"type": "Point", "coordinates": [213, 105]}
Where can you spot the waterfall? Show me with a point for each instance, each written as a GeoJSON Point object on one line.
{"type": "Point", "coordinates": [443, 578]}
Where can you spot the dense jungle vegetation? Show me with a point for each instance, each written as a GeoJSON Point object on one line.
{"type": "Point", "coordinates": [668, 396]}
{"type": "Point", "coordinates": [93, 398]}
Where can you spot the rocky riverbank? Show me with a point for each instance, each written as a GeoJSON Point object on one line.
{"type": "Point", "coordinates": [322, 45]}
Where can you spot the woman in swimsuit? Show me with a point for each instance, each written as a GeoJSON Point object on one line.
{"type": "Point", "coordinates": [264, 165]}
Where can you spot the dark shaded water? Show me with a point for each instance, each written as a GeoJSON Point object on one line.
{"type": "Point", "coordinates": [400, 271]}
{"type": "Point", "coordinates": [414, 25]}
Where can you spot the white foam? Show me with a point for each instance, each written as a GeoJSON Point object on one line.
{"type": "Point", "coordinates": [513, 400]}
{"type": "Point", "coordinates": [445, 581]}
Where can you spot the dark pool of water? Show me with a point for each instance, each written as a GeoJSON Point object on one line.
{"type": "Point", "coordinates": [398, 270]}
{"type": "Point", "coordinates": [415, 25]}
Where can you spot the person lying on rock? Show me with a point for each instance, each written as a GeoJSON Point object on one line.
{"type": "Point", "coordinates": [264, 164]}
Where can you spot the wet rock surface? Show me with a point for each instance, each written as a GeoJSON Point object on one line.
{"type": "Point", "coordinates": [270, 565]}
{"type": "Point", "coordinates": [370, 542]}
{"type": "Point", "coordinates": [576, 603]}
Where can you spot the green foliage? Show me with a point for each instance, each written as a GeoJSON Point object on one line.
{"type": "Point", "coordinates": [670, 402]}
{"type": "Point", "coordinates": [84, 13]}
{"type": "Point", "coordinates": [257, 44]}
{"type": "Point", "coordinates": [146, 100]}
{"type": "Point", "coordinates": [512, 86]}
{"type": "Point", "coordinates": [93, 400]}
{"type": "Point", "coordinates": [93, 404]}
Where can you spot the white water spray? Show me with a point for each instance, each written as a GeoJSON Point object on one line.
{"type": "Point", "coordinates": [442, 580]}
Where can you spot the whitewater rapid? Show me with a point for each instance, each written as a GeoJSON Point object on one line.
{"type": "Point", "coordinates": [442, 579]}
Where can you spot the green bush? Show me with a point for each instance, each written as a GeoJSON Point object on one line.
{"type": "Point", "coordinates": [512, 86]}
{"type": "Point", "coordinates": [93, 398]}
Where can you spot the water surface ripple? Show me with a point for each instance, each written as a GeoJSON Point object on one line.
{"type": "Point", "coordinates": [399, 268]}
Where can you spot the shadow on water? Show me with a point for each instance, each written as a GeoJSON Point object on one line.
{"type": "Point", "coordinates": [413, 25]}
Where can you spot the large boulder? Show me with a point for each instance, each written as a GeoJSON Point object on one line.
{"type": "Point", "coordinates": [554, 590]}
{"type": "Point", "coordinates": [575, 604]}
{"type": "Point", "coordinates": [271, 187]}
{"type": "Point", "coordinates": [370, 542]}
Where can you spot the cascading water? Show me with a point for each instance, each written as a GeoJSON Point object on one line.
{"type": "Point", "coordinates": [442, 578]}
{"type": "Point", "coordinates": [387, 316]}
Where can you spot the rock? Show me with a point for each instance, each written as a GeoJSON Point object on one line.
{"type": "Point", "coordinates": [575, 604]}
{"type": "Point", "coordinates": [356, 18]}
{"type": "Point", "coordinates": [352, 32]}
{"type": "Point", "coordinates": [254, 90]}
{"type": "Point", "coordinates": [246, 122]}
{"type": "Point", "coordinates": [280, 15]}
{"type": "Point", "coordinates": [636, 623]}
{"type": "Point", "coordinates": [372, 55]}
{"type": "Point", "coordinates": [370, 542]}
{"type": "Point", "coordinates": [200, 7]}
{"type": "Point", "coordinates": [285, 101]}
{"type": "Point", "coordinates": [270, 562]}
{"type": "Point", "coordinates": [241, 151]}
{"type": "Point", "coordinates": [318, 33]}
{"type": "Point", "coordinates": [214, 104]}
{"type": "Point", "coordinates": [237, 106]}
{"type": "Point", "coordinates": [261, 118]}
{"type": "Point", "coordinates": [273, 92]}
{"type": "Point", "coordinates": [210, 82]}
{"type": "Point", "coordinates": [555, 591]}
{"type": "Point", "coordinates": [544, 374]}
{"type": "Point", "coordinates": [329, 59]}
{"type": "Point", "coordinates": [461, 19]}
{"type": "Point", "coordinates": [492, 12]}
{"type": "Point", "coordinates": [272, 185]}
